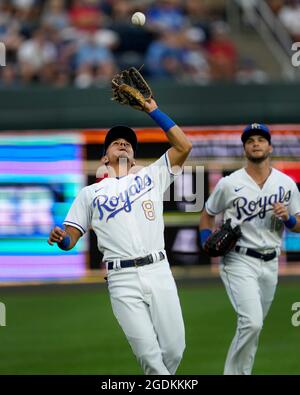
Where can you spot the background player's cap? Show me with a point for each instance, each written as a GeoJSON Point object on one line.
{"type": "Point", "coordinates": [120, 131]}
{"type": "Point", "coordinates": [256, 129]}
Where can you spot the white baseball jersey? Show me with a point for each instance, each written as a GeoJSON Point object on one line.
{"type": "Point", "coordinates": [241, 199]}
{"type": "Point", "coordinates": [126, 213]}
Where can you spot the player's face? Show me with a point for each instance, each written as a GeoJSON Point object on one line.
{"type": "Point", "coordinates": [118, 149]}
{"type": "Point", "coordinates": [257, 149]}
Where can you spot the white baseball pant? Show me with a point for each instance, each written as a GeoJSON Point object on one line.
{"type": "Point", "coordinates": [250, 284]}
{"type": "Point", "coordinates": [146, 304]}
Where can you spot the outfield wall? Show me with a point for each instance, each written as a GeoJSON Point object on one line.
{"type": "Point", "coordinates": [58, 108]}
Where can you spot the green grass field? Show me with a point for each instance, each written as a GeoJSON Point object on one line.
{"type": "Point", "coordinates": [66, 330]}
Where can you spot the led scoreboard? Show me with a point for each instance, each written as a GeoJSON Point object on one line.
{"type": "Point", "coordinates": [40, 174]}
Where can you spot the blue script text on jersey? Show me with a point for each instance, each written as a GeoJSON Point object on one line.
{"type": "Point", "coordinates": [249, 209]}
{"type": "Point", "coordinates": [138, 188]}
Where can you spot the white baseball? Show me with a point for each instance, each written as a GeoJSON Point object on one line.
{"type": "Point", "coordinates": [138, 18]}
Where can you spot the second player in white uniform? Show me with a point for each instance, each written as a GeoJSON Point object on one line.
{"type": "Point", "coordinates": [126, 213]}
{"type": "Point", "coordinates": [262, 200]}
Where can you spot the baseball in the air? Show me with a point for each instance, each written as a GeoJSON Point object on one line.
{"type": "Point", "coordinates": [138, 18]}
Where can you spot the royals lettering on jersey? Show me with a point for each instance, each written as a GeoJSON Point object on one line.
{"type": "Point", "coordinates": [238, 197]}
{"type": "Point", "coordinates": [126, 213]}
{"type": "Point", "coordinates": [125, 199]}
{"type": "Point", "coordinates": [247, 209]}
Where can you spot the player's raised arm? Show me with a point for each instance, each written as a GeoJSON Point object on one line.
{"type": "Point", "coordinates": [129, 87]}
{"type": "Point", "coordinates": [181, 145]}
{"type": "Point", "coordinates": [66, 238]}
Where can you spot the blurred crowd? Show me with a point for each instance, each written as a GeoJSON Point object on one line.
{"type": "Point", "coordinates": [288, 12]}
{"type": "Point", "coordinates": [84, 42]}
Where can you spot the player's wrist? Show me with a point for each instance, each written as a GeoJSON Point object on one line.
{"type": "Point", "coordinates": [290, 222]}
{"type": "Point", "coordinates": [162, 119]}
{"type": "Point", "coordinates": [204, 235]}
{"type": "Point", "coordinates": [150, 106]}
{"type": "Point", "coordinates": [65, 243]}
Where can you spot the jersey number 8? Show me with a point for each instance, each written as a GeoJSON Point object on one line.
{"type": "Point", "coordinates": [149, 210]}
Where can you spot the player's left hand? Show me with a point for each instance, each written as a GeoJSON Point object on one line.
{"type": "Point", "coordinates": [281, 211]}
{"type": "Point", "coordinates": [150, 105]}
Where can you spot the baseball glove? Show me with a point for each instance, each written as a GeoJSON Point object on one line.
{"type": "Point", "coordinates": [222, 240]}
{"type": "Point", "coordinates": [129, 87]}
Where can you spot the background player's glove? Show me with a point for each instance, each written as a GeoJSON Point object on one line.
{"type": "Point", "coordinates": [129, 87]}
{"type": "Point", "coordinates": [222, 240]}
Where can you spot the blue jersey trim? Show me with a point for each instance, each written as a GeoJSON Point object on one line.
{"type": "Point", "coordinates": [79, 227]}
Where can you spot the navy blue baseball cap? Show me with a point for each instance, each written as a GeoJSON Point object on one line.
{"type": "Point", "coordinates": [118, 132]}
{"type": "Point", "coordinates": [256, 129]}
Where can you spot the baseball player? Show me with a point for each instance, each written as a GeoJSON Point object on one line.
{"type": "Point", "coordinates": [126, 213]}
{"type": "Point", "coordinates": [262, 201]}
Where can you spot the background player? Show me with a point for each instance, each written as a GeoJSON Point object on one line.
{"type": "Point", "coordinates": [261, 200]}
{"type": "Point", "coordinates": [126, 213]}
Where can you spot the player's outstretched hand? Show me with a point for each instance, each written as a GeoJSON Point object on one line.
{"type": "Point", "coordinates": [150, 105]}
{"type": "Point", "coordinates": [56, 235]}
{"type": "Point", "coordinates": [281, 211]}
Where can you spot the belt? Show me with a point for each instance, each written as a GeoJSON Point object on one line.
{"type": "Point", "coordinates": [255, 254]}
{"type": "Point", "coordinates": [147, 260]}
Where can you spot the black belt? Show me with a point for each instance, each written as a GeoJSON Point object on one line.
{"type": "Point", "coordinates": [147, 260]}
{"type": "Point", "coordinates": [255, 254]}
